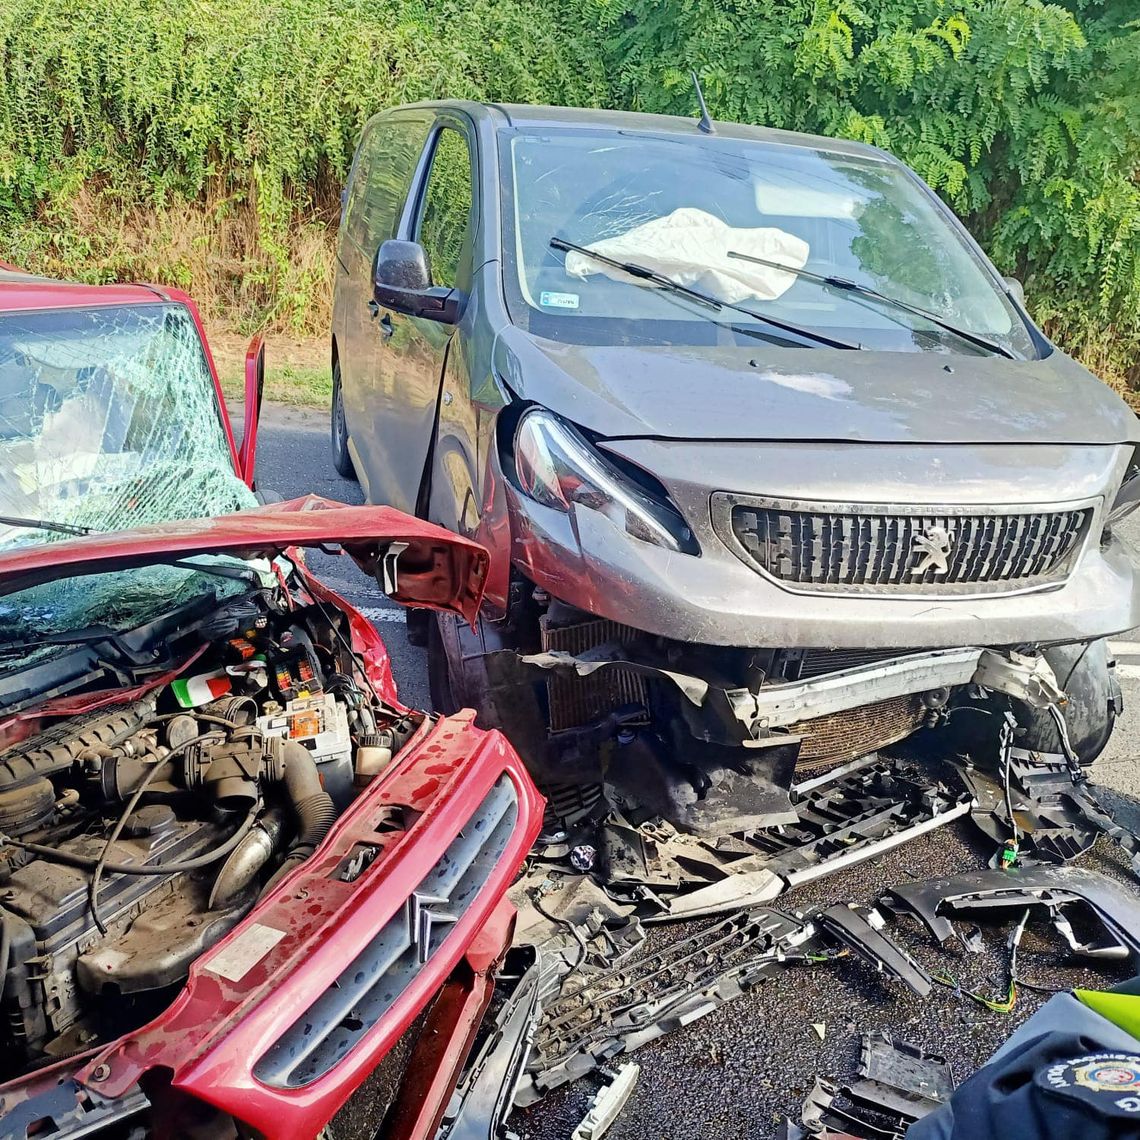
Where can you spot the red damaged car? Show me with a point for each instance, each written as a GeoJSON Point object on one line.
{"type": "Point", "coordinates": [238, 879]}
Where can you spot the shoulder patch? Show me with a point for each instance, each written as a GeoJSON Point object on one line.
{"type": "Point", "coordinates": [1108, 1083]}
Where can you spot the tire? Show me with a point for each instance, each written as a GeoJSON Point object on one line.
{"type": "Point", "coordinates": [342, 461]}
{"type": "Point", "coordinates": [443, 696]}
{"type": "Point", "coordinates": [1084, 671]}
{"type": "Point", "coordinates": [1086, 674]}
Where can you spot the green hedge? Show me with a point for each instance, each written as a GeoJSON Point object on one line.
{"type": "Point", "coordinates": [1024, 115]}
{"type": "Point", "coordinates": [114, 109]}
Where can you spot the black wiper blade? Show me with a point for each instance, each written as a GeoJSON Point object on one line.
{"type": "Point", "coordinates": [846, 285]}
{"type": "Point", "coordinates": [651, 276]}
{"type": "Point", "coordinates": [641, 272]}
{"type": "Point", "coordinates": [93, 634]}
{"type": "Point", "coordinates": [45, 524]}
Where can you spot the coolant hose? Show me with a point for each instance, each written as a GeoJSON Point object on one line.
{"type": "Point", "coordinates": [314, 808]}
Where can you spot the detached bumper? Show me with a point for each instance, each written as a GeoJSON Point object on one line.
{"type": "Point", "coordinates": [280, 1022]}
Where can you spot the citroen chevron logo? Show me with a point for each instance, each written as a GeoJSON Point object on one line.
{"type": "Point", "coordinates": [422, 920]}
{"type": "Point", "coordinates": [933, 544]}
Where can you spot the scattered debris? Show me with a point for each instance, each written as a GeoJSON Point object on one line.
{"type": "Point", "coordinates": [483, 1099]}
{"type": "Point", "coordinates": [898, 1083]}
{"type": "Point", "coordinates": [856, 812]}
{"type": "Point", "coordinates": [1049, 820]}
{"type": "Point", "coordinates": [1033, 888]}
{"type": "Point", "coordinates": [861, 929]}
{"type": "Point", "coordinates": [606, 1011]}
{"type": "Point", "coordinates": [823, 1117]}
{"type": "Point", "coordinates": [607, 1104]}
{"type": "Point", "coordinates": [899, 1078]}
{"type": "Point", "coordinates": [594, 885]}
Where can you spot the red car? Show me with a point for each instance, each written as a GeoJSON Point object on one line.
{"type": "Point", "coordinates": [237, 876]}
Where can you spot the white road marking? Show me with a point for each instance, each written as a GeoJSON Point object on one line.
{"type": "Point", "coordinates": [1124, 648]}
{"type": "Point", "coordinates": [382, 613]}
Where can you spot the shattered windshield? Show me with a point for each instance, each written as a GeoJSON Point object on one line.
{"type": "Point", "coordinates": [108, 421]}
{"type": "Point", "coordinates": [682, 206]}
{"type": "Point", "coordinates": [120, 600]}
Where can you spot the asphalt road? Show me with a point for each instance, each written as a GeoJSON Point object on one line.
{"type": "Point", "coordinates": [733, 1074]}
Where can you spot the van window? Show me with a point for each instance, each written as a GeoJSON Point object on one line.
{"type": "Point", "coordinates": [381, 179]}
{"type": "Point", "coordinates": [447, 207]}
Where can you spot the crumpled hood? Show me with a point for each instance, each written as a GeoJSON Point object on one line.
{"type": "Point", "coordinates": [766, 393]}
{"type": "Point", "coordinates": [436, 569]}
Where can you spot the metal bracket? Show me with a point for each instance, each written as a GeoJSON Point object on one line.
{"type": "Point", "coordinates": [388, 579]}
{"type": "Point", "coordinates": [1028, 678]}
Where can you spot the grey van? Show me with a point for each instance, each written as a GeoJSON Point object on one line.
{"type": "Point", "coordinates": [773, 466]}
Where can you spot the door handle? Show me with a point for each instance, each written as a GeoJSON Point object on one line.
{"type": "Point", "coordinates": [386, 327]}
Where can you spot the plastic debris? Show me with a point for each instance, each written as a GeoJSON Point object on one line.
{"type": "Point", "coordinates": [608, 1103]}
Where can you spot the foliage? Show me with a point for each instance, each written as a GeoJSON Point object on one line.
{"type": "Point", "coordinates": [205, 143]}
{"type": "Point", "coordinates": [113, 111]}
{"type": "Point", "coordinates": [1024, 115]}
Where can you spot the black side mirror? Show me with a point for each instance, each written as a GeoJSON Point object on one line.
{"type": "Point", "coordinates": [402, 283]}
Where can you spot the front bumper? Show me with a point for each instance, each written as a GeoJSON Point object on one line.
{"type": "Point", "coordinates": [716, 599]}
{"type": "Point", "coordinates": [241, 1033]}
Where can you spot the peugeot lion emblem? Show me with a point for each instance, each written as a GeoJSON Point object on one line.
{"type": "Point", "coordinates": [933, 544]}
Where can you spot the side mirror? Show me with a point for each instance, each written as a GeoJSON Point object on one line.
{"type": "Point", "coordinates": [254, 389]}
{"type": "Point", "coordinates": [1016, 290]}
{"type": "Point", "coordinates": [402, 283]}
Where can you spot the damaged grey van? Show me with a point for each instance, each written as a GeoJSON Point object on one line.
{"type": "Point", "coordinates": [774, 467]}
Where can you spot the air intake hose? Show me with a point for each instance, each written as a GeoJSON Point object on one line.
{"type": "Point", "coordinates": [313, 806]}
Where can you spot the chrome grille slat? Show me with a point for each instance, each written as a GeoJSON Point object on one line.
{"type": "Point", "coordinates": [836, 548]}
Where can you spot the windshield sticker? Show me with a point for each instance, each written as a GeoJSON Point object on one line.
{"type": "Point", "coordinates": [550, 300]}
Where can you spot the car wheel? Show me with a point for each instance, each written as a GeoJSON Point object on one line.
{"type": "Point", "coordinates": [439, 668]}
{"type": "Point", "coordinates": [1088, 677]}
{"type": "Point", "coordinates": [342, 461]}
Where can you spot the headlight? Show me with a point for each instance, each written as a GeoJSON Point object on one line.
{"type": "Point", "coordinates": [557, 467]}
{"type": "Point", "coordinates": [1128, 497]}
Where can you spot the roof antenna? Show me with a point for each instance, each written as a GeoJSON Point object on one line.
{"type": "Point", "coordinates": [706, 123]}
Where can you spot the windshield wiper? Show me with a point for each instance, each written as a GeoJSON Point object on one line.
{"type": "Point", "coordinates": [659, 280]}
{"type": "Point", "coordinates": [45, 524]}
{"type": "Point", "coordinates": [92, 635]}
{"type": "Point", "coordinates": [848, 286]}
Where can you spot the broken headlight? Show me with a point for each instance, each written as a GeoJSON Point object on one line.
{"type": "Point", "coordinates": [558, 468]}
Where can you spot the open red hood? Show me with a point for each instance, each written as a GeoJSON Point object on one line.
{"type": "Point", "coordinates": [436, 569]}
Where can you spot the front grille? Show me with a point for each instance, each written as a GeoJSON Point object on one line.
{"type": "Point", "coordinates": [842, 736]}
{"type": "Point", "coordinates": [913, 552]}
{"type": "Point", "coordinates": [352, 1005]}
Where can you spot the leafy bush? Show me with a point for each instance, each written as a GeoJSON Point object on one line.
{"type": "Point", "coordinates": [137, 137]}
{"type": "Point", "coordinates": [1024, 115]}
{"type": "Point", "coordinates": [204, 143]}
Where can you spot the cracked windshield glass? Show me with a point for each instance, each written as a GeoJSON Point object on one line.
{"type": "Point", "coordinates": [696, 212]}
{"type": "Point", "coordinates": [108, 421]}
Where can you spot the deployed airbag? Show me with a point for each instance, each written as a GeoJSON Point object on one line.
{"type": "Point", "coordinates": [692, 246]}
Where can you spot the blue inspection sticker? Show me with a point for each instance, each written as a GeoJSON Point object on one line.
{"type": "Point", "coordinates": [550, 300]}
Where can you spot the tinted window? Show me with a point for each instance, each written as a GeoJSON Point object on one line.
{"type": "Point", "coordinates": [447, 207]}
{"type": "Point", "coordinates": [382, 177]}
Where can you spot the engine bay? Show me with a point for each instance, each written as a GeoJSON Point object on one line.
{"type": "Point", "coordinates": [134, 835]}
